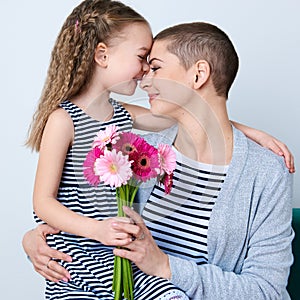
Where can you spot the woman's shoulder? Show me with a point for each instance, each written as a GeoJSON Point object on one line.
{"type": "Point", "coordinates": [257, 156]}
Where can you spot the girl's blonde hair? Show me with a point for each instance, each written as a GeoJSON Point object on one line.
{"type": "Point", "coordinates": [72, 58]}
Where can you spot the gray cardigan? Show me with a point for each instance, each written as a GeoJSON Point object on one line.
{"type": "Point", "coordinates": [249, 234]}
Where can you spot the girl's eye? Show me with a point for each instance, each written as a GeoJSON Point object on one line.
{"type": "Point", "coordinates": [153, 69]}
{"type": "Point", "coordinates": [142, 57]}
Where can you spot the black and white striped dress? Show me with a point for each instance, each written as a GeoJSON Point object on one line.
{"type": "Point", "coordinates": [179, 221]}
{"type": "Point", "coordinates": [91, 269]}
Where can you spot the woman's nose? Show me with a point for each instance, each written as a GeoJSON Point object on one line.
{"type": "Point", "coordinates": [145, 67]}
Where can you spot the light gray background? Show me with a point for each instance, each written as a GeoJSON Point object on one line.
{"type": "Point", "coordinates": [265, 94]}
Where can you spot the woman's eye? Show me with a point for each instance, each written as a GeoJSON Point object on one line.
{"type": "Point", "coordinates": [153, 69]}
{"type": "Point", "coordinates": [142, 57]}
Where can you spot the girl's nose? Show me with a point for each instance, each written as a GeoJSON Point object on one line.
{"type": "Point", "coordinates": [146, 81]}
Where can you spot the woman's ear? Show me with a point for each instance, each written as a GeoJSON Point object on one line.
{"type": "Point", "coordinates": [101, 55]}
{"type": "Point", "coordinates": [201, 73]}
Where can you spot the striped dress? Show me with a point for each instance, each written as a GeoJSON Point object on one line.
{"type": "Point", "coordinates": [91, 269]}
{"type": "Point", "coordinates": [179, 221]}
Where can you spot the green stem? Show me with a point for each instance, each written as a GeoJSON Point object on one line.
{"type": "Point", "coordinates": [117, 281]}
{"type": "Point", "coordinates": [123, 277]}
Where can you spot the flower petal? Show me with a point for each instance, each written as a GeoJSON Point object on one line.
{"type": "Point", "coordinates": [108, 136]}
{"type": "Point", "coordinates": [113, 168]}
{"type": "Point", "coordinates": [167, 159]}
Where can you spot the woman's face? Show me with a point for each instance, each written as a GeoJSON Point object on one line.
{"type": "Point", "coordinates": [167, 83]}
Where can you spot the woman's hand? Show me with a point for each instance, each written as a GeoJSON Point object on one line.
{"type": "Point", "coordinates": [42, 256]}
{"type": "Point", "coordinates": [142, 250]}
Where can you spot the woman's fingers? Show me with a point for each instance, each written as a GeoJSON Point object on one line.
{"type": "Point", "coordinates": [137, 219]}
{"type": "Point", "coordinates": [44, 258]}
{"type": "Point", "coordinates": [56, 271]}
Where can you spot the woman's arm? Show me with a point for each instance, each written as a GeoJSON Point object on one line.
{"type": "Point", "coordinates": [57, 138]}
{"type": "Point", "coordinates": [265, 268]}
{"type": "Point", "coordinates": [264, 139]}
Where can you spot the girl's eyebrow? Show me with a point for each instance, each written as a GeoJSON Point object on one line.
{"type": "Point", "coordinates": [144, 48]}
{"type": "Point", "coordinates": [152, 59]}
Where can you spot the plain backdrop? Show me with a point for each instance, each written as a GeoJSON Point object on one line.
{"type": "Point", "coordinates": [265, 94]}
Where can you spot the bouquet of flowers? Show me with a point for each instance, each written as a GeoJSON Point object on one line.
{"type": "Point", "coordinates": [124, 160]}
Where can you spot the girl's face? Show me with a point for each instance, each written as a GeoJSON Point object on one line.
{"type": "Point", "coordinates": [167, 83]}
{"type": "Point", "coordinates": [127, 59]}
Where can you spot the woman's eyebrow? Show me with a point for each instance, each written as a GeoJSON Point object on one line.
{"type": "Point", "coordinates": [152, 59]}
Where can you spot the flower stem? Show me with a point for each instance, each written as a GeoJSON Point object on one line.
{"type": "Point", "coordinates": [122, 277]}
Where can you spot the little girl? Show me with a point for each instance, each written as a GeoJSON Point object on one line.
{"type": "Point", "coordinates": [101, 48]}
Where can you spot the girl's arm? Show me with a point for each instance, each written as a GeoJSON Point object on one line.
{"type": "Point", "coordinates": [56, 140]}
{"type": "Point", "coordinates": [143, 119]}
{"type": "Point", "coordinates": [268, 141]}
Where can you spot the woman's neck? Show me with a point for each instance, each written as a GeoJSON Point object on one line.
{"type": "Point", "coordinates": [205, 134]}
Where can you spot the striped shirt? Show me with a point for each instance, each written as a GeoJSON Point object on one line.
{"type": "Point", "coordinates": [92, 263]}
{"type": "Point", "coordinates": [179, 221]}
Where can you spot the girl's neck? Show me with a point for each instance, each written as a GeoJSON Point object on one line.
{"type": "Point", "coordinates": [94, 104]}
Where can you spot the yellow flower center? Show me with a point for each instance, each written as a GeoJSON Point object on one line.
{"type": "Point", "coordinates": [113, 169]}
{"type": "Point", "coordinates": [105, 139]}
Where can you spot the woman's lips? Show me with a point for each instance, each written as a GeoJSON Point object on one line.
{"type": "Point", "coordinates": [152, 97]}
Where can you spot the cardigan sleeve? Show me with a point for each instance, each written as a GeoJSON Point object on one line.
{"type": "Point", "coordinates": [267, 259]}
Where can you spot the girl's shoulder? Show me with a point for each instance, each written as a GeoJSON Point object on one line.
{"type": "Point", "coordinates": [60, 117]}
{"type": "Point", "coordinates": [59, 129]}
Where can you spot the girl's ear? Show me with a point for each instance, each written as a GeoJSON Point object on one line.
{"type": "Point", "coordinates": [201, 73]}
{"type": "Point", "coordinates": [101, 56]}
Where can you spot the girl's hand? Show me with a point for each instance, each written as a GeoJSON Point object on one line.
{"type": "Point", "coordinates": [142, 249]}
{"type": "Point", "coordinates": [269, 142]}
{"type": "Point", "coordinates": [279, 148]}
{"type": "Point", "coordinates": [109, 235]}
{"type": "Point", "coordinates": [42, 256]}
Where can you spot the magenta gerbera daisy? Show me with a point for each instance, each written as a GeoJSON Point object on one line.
{"type": "Point", "coordinates": [108, 136]}
{"type": "Point", "coordinates": [89, 164]}
{"type": "Point", "coordinates": [167, 180]}
{"type": "Point", "coordinates": [145, 162]}
{"type": "Point", "coordinates": [127, 143]}
{"type": "Point", "coordinates": [167, 159]}
{"type": "Point", "coordinates": [113, 168]}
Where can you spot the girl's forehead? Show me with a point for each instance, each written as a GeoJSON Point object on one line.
{"type": "Point", "coordinates": [137, 33]}
{"type": "Point", "coordinates": [137, 29]}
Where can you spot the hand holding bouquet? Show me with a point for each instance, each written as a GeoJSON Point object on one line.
{"type": "Point", "coordinates": [124, 160]}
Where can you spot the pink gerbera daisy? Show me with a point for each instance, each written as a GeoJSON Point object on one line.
{"type": "Point", "coordinates": [89, 164]}
{"type": "Point", "coordinates": [145, 162]}
{"type": "Point", "coordinates": [108, 136]}
{"type": "Point", "coordinates": [114, 168]}
{"type": "Point", "coordinates": [167, 159]}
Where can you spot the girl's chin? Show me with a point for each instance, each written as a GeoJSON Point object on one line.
{"type": "Point", "coordinates": [128, 90]}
